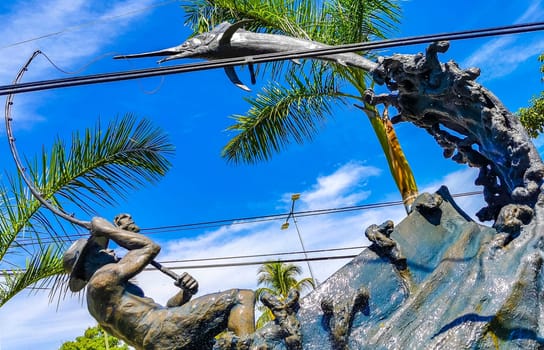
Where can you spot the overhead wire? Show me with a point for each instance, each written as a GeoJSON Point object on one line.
{"type": "Point", "coordinates": [250, 263]}
{"type": "Point", "coordinates": [249, 256]}
{"type": "Point", "coordinates": [245, 220]}
{"type": "Point", "coordinates": [226, 265]}
{"type": "Point", "coordinates": [259, 262]}
{"type": "Point", "coordinates": [232, 257]}
{"type": "Point", "coordinates": [264, 58]}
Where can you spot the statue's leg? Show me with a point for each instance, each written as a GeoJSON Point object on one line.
{"type": "Point", "coordinates": [242, 315]}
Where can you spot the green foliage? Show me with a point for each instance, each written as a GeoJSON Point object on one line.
{"type": "Point", "coordinates": [532, 117]}
{"type": "Point", "coordinates": [95, 338]}
{"type": "Point", "coordinates": [295, 109]}
{"type": "Point", "coordinates": [292, 111]}
{"type": "Point", "coordinates": [318, 20]}
{"type": "Point", "coordinates": [98, 167]}
{"type": "Point", "coordinates": [278, 279]}
{"type": "Point", "coordinates": [328, 22]}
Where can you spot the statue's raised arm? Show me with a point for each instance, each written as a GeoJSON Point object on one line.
{"type": "Point", "coordinates": [122, 308]}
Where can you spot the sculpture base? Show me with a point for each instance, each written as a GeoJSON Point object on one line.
{"type": "Point", "coordinates": [460, 289]}
{"type": "Point", "coordinates": [438, 280]}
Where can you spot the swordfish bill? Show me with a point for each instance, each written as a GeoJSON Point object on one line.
{"type": "Point", "coordinates": [229, 41]}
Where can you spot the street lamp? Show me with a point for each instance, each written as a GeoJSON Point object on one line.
{"type": "Point", "coordinates": [285, 225]}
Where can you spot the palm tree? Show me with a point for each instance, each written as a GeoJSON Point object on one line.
{"type": "Point", "coordinates": [281, 113]}
{"type": "Point", "coordinates": [278, 279]}
{"type": "Point", "coordinates": [99, 167]}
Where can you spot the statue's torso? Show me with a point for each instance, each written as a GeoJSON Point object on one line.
{"type": "Point", "coordinates": [122, 310]}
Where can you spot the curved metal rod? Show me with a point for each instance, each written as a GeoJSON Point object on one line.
{"type": "Point", "coordinates": [55, 210]}
{"type": "Point", "coordinates": [22, 171]}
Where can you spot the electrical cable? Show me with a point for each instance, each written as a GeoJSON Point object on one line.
{"type": "Point", "coordinates": [293, 55]}
{"type": "Point", "coordinates": [79, 70]}
{"type": "Point", "coordinates": [249, 263]}
{"type": "Point", "coordinates": [291, 213]}
{"type": "Point", "coordinates": [281, 216]}
{"type": "Point", "coordinates": [325, 250]}
{"type": "Point", "coordinates": [246, 220]}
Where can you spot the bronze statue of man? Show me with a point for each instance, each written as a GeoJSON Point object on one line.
{"type": "Point", "coordinates": [121, 308]}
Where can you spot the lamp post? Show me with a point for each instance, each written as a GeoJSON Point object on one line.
{"type": "Point", "coordinates": [285, 225]}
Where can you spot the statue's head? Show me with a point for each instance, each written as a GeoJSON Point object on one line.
{"type": "Point", "coordinates": [125, 222]}
{"type": "Point", "coordinates": [75, 257]}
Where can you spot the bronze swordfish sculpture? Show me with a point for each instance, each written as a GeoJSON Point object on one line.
{"type": "Point", "coordinates": [229, 41]}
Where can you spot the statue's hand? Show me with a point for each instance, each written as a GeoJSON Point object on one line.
{"type": "Point", "coordinates": [187, 282]}
{"type": "Point", "coordinates": [100, 226]}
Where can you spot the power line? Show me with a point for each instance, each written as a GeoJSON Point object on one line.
{"type": "Point", "coordinates": [245, 220]}
{"type": "Point", "coordinates": [260, 262]}
{"type": "Point", "coordinates": [327, 250]}
{"type": "Point", "coordinates": [249, 263]}
{"type": "Point", "coordinates": [231, 62]}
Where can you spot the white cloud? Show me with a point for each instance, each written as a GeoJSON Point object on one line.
{"type": "Point", "coordinates": [533, 13]}
{"type": "Point", "coordinates": [501, 56]}
{"type": "Point", "coordinates": [342, 188]}
{"type": "Point", "coordinates": [345, 186]}
{"type": "Point", "coordinates": [81, 27]}
{"type": "Point", "coordinates": [318, 232]}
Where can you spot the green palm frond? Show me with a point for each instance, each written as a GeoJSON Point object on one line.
{"type": "Point", "coordinates": [277, 116]}
{"type": "Point", "coordinates": [39, 271]}
{"type": "Point", "coordinates": [355, 21]}
{"type": "Point", "coordinates": [271, 16]}
{"type": "Point", "coordinates": [260, 291]}
{"type": "Point", "coordinates": [18, 206]}
{"type": "Point", "coordinates": [103, 163]}
{"type": "Point", "coordinates": [266, 313]}
{"type": "Point", "coordinates": [201, 15]}
{"type": "Point", "coordinates": [98, 167]}
{"type": "Point", "coordinates": [384, 16]}
{"type": "Point", "coordinates": [305, 283]}
{"type": "Point", "coordinates": [265, 317]}
{"type": "Point", "coordinates": [278, 279]}
{"type": "Point", "coordinates": [281, 114]}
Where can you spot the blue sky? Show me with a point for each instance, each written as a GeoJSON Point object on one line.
{"type": "Point", "coordinates": [343, 166]}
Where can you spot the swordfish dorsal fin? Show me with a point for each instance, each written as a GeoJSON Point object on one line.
{"type": "Point", "coordinates": [229, 30]}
